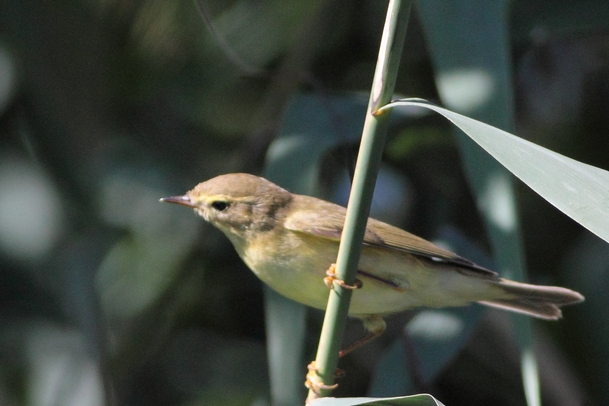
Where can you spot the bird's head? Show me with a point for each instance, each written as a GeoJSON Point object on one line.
{"type": "Point", "coordinates": [237, 203]}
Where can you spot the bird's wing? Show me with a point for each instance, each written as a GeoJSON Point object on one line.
{"type": "Point", "coordinates": [325, 220]}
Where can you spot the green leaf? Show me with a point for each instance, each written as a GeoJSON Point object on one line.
{"type": "Point", "coordinates": [414, 400]}
{"type": "Point", "coordinates": [579, 190]}
{"type": "Point", "coordinates": [478, 83]}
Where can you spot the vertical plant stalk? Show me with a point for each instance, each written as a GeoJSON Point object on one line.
{"type": "Point", "coordinates": [366, 169]}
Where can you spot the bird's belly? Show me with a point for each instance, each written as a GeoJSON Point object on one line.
{"type": "Point", "coordinates": [393, 281]}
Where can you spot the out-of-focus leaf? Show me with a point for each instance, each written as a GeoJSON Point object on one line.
{"type": "Point", "coordinates": [142, 264]}
{"type": "Point", "coordinates": [434, 336]}
{"type": "Point", "coordinates": [585, 269]}
{"type": "Point", "coordinates": [579, 190]}
{"type": "Point", "coordinates": [285, 334]}
{"type": "Point", "coordinates": [294, 158]}
{"type": "Point", "coordinates": [311, 126]}
{"type": "Point", "coordinates": [472, 69]}
{"type": "Point", "coordinates": [559, 18]}
{"type": "Point", "coordinates": [293, 161]}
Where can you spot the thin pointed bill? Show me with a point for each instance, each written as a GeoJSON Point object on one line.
{"type": "Point", "coordinates": [183, 200]}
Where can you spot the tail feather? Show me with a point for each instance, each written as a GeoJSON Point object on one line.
{"type": "Point", "coordinates": [539, 301]}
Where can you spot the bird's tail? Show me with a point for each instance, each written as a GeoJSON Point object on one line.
{"type": "Point", "coordinates": [538, 301]}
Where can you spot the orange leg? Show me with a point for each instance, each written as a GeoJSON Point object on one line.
{"type": "Point", "coordinates": [330, 279]}
{"type": "Point", "coordinates": [375, 326]}
{"type": "Point", "coordinates": [314, 382]}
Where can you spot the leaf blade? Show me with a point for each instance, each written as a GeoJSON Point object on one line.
{"type": "Point", "coordinates": [579, 190]}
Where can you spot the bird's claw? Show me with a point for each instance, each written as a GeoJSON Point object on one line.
{"type": "Point", "coordinates": [331, 278]}
{"type": "Point", "coordinates": [314, 383]}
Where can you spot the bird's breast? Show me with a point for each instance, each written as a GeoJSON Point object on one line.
{"type": "Point", "coordinates": [292, 264]}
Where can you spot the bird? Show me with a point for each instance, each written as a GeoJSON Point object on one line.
{"type": "Point", "coordinates": [290, 242]}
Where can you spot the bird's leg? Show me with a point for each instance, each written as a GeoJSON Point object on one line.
{"type": "Point", "coordinates": [331, 278]}
{"type": "Point", "coordinates": [314, 382]}
{"type": "Point", "coordinates": [375, 325]}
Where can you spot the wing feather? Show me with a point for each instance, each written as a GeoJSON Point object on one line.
{"type": "Point", "coordinates": [325, 220]}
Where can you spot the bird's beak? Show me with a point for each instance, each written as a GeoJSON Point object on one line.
{"type": "Point", "coordinates": [183, 200]}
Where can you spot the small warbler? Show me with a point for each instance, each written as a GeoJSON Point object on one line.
{"type": "Point", "coordinates": [290, 240]}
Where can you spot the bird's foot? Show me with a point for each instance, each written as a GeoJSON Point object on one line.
{"type": "Point", "coordinates": [331, 278]}
{"type": "Point", "coordinates": [314, 382]}
{"type": "Point", "coordinates": [375, 326]}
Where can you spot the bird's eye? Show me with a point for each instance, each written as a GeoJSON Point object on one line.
{"type": "Point", "coordinates": [219, 205]}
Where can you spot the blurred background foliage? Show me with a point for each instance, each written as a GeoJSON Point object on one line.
{"type": "Point", "coordinates": [109, 297]}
